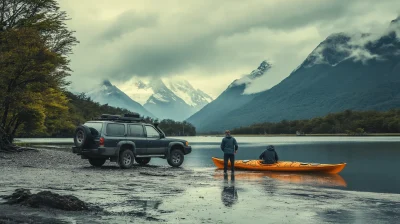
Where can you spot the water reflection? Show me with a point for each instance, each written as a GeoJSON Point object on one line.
{"type": "Point", "coordinates": [323, 180]}
{"type": "Point", "coordinates": [337, 216]}
{"type": "Point", "coordinates": [229, 195]}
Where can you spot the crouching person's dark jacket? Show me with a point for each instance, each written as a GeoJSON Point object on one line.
{"type": "Point", "coordinates": [269, 156]}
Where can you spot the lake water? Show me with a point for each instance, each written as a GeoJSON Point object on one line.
{"type": "Point", "coordinates": [372, 162]}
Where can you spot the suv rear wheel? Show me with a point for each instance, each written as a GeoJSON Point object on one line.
{"type": "Point", "coordinates": [126, 159]}
{"type": "Point", "coordinates": [176, 158]}
{"type": "Point", "coordinates": [97, 162]}
{"type": "Point", "coordinates": [143, 160]}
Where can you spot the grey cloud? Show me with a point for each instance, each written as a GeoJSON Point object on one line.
{"type": "Point", "coordinates": [128, 22]}
{"type": "Point", "coordinates": [171, 59]}
{"type": "Point", "coordinates": [166, 58]}
{"type": "Point", "coordinates": [217, 37]}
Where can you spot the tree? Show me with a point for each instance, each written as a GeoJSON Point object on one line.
{"type": "Point", "coordinates": [34, 45]}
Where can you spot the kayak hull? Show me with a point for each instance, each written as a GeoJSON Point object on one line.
{"type": "Point", "coordinates": [282, 166]}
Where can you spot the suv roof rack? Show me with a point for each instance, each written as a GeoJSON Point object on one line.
{"type": "Point", "coordinates": [126, 118]}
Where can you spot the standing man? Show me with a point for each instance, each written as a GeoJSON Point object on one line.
{"type": "Point", "coordinates": [229, 146]}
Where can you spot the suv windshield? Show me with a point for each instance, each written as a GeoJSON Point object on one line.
{"type": "Point", "coordinates": [96, 125]}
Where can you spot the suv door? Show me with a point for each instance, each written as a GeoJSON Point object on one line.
{"type": "Point", "coordinates": [136, 135]}
{"type": "Point", "coordinates": [154, 142]}
{"type": "Point", "coordinates": [114, 134]}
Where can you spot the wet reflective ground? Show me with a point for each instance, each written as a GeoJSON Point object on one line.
{"type": "Point", "coordinates": [262, 199]}
{"type": "Point", "coordinates": [198, 193]}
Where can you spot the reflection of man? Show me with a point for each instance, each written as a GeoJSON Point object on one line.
{"type": "Point", "coordinates": [229, 195]}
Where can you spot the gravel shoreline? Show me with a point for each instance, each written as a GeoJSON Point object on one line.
{"type": "Point", "coordinates": [124, 195]}
{"type": "Point", "coordinates": [162, 194]}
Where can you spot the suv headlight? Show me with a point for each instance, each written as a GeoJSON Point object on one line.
{"type": "Point", "coordinates": [187, 143]}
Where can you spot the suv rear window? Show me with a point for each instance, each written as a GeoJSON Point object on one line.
{"type": "Point", "coordinates": [115, 129]}
{"type": "Point", "coordinates": [96, 125]}
{"type": "Point", "coordinates": [136, 130]}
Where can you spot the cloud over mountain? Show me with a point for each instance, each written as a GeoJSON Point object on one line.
{"type": "Point", "coordinates": [208, 42]}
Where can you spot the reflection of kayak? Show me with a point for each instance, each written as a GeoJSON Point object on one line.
{"type": "Point", "coordinates": [319, 179]}
{"type": "Point", "coordinates": [282, 166]}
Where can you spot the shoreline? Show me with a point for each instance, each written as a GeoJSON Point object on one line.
{"type": "Point", "coordinates": [307, 135]}
{"type": "Point", "coordinates": [259, 135]}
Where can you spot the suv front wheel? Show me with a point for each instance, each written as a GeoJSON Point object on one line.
{"type": "Point", "coordinates": [126, 159]}
{"type": "Point", "coordinates": [176, 158]}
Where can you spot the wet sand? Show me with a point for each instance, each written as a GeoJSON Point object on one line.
{"type": "Point", "coordinates": [161, 194]}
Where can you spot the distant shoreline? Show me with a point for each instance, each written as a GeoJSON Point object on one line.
{"type": "Point", "coordinates": [309, 135]}
{"type": "Point", "coordinates": [266, 135]}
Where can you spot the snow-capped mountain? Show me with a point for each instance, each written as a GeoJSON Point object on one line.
{"type": "Point", "coordinates": [193, 97]}
{"type": "Point", "coordinates": [232, 98]}
{"type": "Point", "coordinates": [165, 104]}
{"type": "Point", "coordinates": [109, 94]}
{"type": "Point", "coordinates": [249, 79]}
{"type": "Point", "coordinates": [347, 71]}
{"type": "Point", "coordinates": [170, 98]}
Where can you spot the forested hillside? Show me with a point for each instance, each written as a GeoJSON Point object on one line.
{"type": "Point", "coordinates": [82, 108]}
{"type": "Point", "coordinates": [349, 122]}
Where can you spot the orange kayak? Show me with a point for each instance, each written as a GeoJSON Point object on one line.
{"type": "Point", "coordinates": [282, 166]}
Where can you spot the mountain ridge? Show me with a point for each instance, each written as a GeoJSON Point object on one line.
{"type": "Point", "coordinates": [109, 94]}
{"type": "Point", "coordinates": [230, 99]}
{"type": "Point", "coordinates": [345, 71]}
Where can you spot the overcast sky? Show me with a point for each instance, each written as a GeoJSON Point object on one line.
{"type": "Point", "coordinates": [210, 43]}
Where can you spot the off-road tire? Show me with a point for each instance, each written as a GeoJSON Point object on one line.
{"type": "Point", "coordinates": [126, 159]}
{"type": "Point", "coordinates": [97, 162]}
{"type": "Point", "coordinates": [143, 160]}
{"type": "Point", "coordinates": [83, 137]}
{"type": "Point", "coordinates": [175, 158]}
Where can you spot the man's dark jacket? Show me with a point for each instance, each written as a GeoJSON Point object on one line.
{"type": "Point", "coordinates": [229, 145]}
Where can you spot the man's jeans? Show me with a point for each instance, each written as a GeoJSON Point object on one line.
{"type": "Point", "coordinates": [230, 157]}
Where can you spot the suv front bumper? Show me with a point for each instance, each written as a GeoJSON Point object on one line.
{"type": "Point", "coordinates": [187, 149]}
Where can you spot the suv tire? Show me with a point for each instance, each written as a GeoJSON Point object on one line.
{"type": "Point", "coordinates": [175, 158]}
{"type": "Point", "coordinates": [82, 136]}
{"type": "Point", "coordinates": [143, 160]}
{"type": "Point", "coordinates": [97, 162]}
{"type": "Point", "coordinates": [126, 159]}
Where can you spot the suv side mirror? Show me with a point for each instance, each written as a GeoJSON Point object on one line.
{"type": "Point", "coordinates": [162, 135]}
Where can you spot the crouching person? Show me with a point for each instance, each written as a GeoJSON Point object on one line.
{"type": "Point", "coordinates": [269, 156]}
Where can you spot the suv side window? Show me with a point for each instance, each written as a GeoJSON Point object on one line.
{"type": "Point", "coordinates": [151, 132]}
{"type": "Point", "coordinates": [115, 129]}
{"type": "Point", "coordinates": [135, 130]}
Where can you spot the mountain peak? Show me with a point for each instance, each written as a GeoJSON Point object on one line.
{"type": "Point", "coordinates": [248, 79]}
{"type": "Point", "coordinates": [395, 23]}
{"type": "Point", "coordinates": [107, 82]}
{"type": "Point", "coordinates": [397, 20]}
{"type": "Point", "coordinates": [331, 51]}
{"type": "Point", "coordinates": [262, 68]}
{"type": "Point", "coordinates": [264, 65]}
{"type": "Point", "coordinates": [141, 85]}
